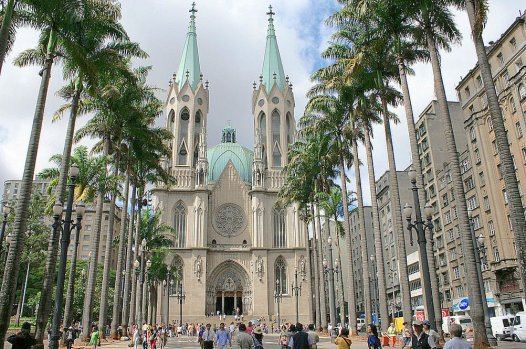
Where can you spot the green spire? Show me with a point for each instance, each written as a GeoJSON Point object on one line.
{"type": "Point", "coordinates": [189, 67]}
{"type": "Point", "coordinates": [272, 66]}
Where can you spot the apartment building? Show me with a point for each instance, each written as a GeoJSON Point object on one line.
{"type": "Point", "coordinates": [507, 56]}
{"type": "Point", "coordinates": [10, 195]}
{"type": "Point", "coordinates": [389, 236]}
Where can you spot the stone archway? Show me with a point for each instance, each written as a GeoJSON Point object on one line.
{"type": "Point", "coordinates": [228, 289]}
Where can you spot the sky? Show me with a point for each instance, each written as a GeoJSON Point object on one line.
{"type": "Point", "coordinates": [231, 39]}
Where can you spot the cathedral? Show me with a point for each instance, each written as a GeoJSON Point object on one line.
{"type": "Point", "coordinates": [234, 250]}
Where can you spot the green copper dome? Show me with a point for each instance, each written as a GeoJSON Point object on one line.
{"type": "Point", "coordinates": [229, 150]}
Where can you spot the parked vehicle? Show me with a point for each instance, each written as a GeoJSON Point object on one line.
{"type": "Point", "coordinates": [518, 332]}
{"type": "Point", "coordinates": [462, 320]}
{"type": "Point", "coordinates": [360, 324]}
{"type": "Point", "coordinates": [502, 326]}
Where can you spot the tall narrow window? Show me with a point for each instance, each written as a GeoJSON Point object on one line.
{"type": "Point", "coordinates": [263, 131]}
{"type": "Point", "coordinates": [522, 92]}
{"type": "Point", "coordinates": [280, 238]}
{"type": "Point", "coordinates": [180, 225]}
{"type": "Point", "coordinates": [197, 132]}
{"type": "Point", "coordinates": [183, 137]}
{"type": "Point", "coordinates": [290, 129]}
{"type": "Point", "coordinates": [281, 276]}
{"type": "Point", "coordinates": [176, 275]}
{"type": "Point", "coordinates": [276, 151]}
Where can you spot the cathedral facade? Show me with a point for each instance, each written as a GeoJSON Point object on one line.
{"type": "Point", "coordinates": [235, 250]}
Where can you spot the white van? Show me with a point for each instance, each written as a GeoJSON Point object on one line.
{"type": "Point", "coordinates": [501, 326]}
{"type": "Point", "coordinates": [463, 320]}
{"type": "Point", "coordinates": [360, 324]}
{"type": "Point", "coordinates": [518, 332]}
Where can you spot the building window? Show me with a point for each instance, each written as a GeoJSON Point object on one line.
{"type": "Point", "coordinates": [476, 152]}
{"type": "Point", "coordinates": [456, 272]}
{"type": "Point", "coordinates": [276, 150]}
{"type": "Point", "coordinates": [524, 154]}
{"type": "Point", "coordinates": [467, 92]}
{"type": "Point", "coordinates": [518, 129]}
{"type": "Point", "coordinates": [180, 225]}
{"type": "Point", "coordinates": [505, 195]}
{"type": "Point", "coordinates": [499, 170]}
{"type": "Point", "coordinates": [496, 254]}
{"type": "Point", "coordinates": [470, 184]}
{"type": "Point", "coordinates": [445, 199]}
{"type": "Point", "coordinates": [280, 238]}
{"type": "Point", "coordinates": [506, 78]}
{"type": "Point", "coordinates": [451, 234]}
{"type": "Point", "coordinates": [476, 222]}
{"type": "Point", "coordinates": [472, 134]}
{"type": "Point", "coordinates": [482, 178]}
{"type": "Point", "coordinates": [500, 58]}
{"type": "Point", "coordinates": [513, 44]}
{"type": "Point", "coordinates": [486, 203]}
{"type": "Point", "coordinates": [491, 228]}
{"type": "Point", "coordinates": [495, 148]}
{"type": "Point", "coordinates": [490, 124]}
{"type": "Point", "coordinates": [460, 291]}
{"type": "Point", "coordinates": [472, 202]}
{"type": "Point", "coordinates": [176, 274]}
{"type": "Point", "coordinates": [479, 81]}
{"type": "Point", "coordinates": [522, 91]}
{"type": "Point", "coordinates": [447, 217]}
{"type": "Point", "coordinates": [512, 105]}
{"type": "Point", "coordinates": [281, 276]}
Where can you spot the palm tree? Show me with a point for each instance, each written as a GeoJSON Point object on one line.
{"type": "Point", "coordinates": [477, 13]}
{"type": "Point", "coordinates": [57, 28]}
{"type": "Point", "coordinates": [436, 28]}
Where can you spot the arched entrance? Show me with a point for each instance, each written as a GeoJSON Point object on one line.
{"type": "Point", "coordinates": [229, 290]}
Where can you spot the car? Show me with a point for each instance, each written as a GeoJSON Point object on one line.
{"type": "Point", "coordinates": [518, 332]}
{"type": "Point", "coordinates": [360, 324]}
{"type": "Point", "coordinates": [502, 326]}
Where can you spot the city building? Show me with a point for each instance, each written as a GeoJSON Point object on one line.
{"type": "Point", "coordinates": [389, 235]}
{"type": "Point", "coordinates": [234, 248]}
{"type": "Point", "coordinates": [10, 194]}
{"type": "Point", "coordinates": [491, 217]}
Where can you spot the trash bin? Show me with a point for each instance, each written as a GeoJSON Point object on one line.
{"type": "Point", "coordinates": [385, 341]}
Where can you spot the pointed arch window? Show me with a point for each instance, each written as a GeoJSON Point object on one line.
{"type": "Point", "coordinates": [197, 132]}
{"type": "Point", "coordinates": [276, 127]}
{"type": "Point", "coordinates": [183, 137]}
{"type": "Point", "coordinates": [176, 275]}
{"type": "Point", "coordinates": [262, 123]}
{"type": "Point", "coordinates": [180, 225]}
{"type": "Point", "coordinates": [290, 129]}
{"type": "Point", "coordinates": [280, 236]}
{"type": "Point", "coordinates": [280, 271]}
{"type": "Point", "coordinates": [522, 92]}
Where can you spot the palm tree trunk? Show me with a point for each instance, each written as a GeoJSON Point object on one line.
{"type": "Point", "coordinates": [321, 290]}
{"type": "Point", "coordinates": [350, 271]}
{"type": "Point", "coordinates": [316, 268]}
{"type": "Point", "coordinates": [103, 306]}
{"type": "Point", "coordinates": [4, 30]}
{"type": "Point", "coordinates": [129, 261]}
{"type": "Point", "coordinates": [44, 305]}
{"type": "Point", "coordinates": [474, 294]}
{"type": "Point", "coordinates": [11, 267]}
{"type": "Point", "coordinates": [420, 183]}
{"type": "Point", "coordinates": [363, 235]}
{"type": "Point", "coordinates": [340, 276]}
{"type": "Point", "coordinates": [66, 156]}
{"type": "Point", "coordinates": [120, 261]}
{"type": "Point", "coordinates": [312, 319]}
{"type": "Point", "coordinates": [133, 295]}
{"type": "Point", "coordinates": [378, 244]}
{"type": "Point", "coordinates": [397, 218]}
{"type": "Point", "coordinates": [87, 309]}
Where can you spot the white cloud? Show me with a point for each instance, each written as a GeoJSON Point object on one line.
{"type": "Point", "coordinates": [231, 35]}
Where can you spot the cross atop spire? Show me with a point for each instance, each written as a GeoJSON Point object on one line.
{"type": "Point", "coordinates": [270, 13]}
{"type": "Point", "coordinates": [189, 67]}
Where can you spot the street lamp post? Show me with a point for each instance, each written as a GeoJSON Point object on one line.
{"type": "Point", "coordinates": [478, 244]}
{"type": "Point", "coordinates": [167, 284]}
{"type": "Point", "coordinates": [141, 282]}
{"type": "Point", "coordinates": [278, 297]}
{"type": "Point", "coordinates": [5, 211]}
{"type": "Point", "coordinates": [420, 226]}
{"type": "Point", "coordinates": [180, 299]}
{"type": "Point", "coordinates": [331, 270]}
{"type": "Point", "coordinates": [376, 291]}
{"type": "Point", "coordinates": [67, 225]}
{"type": "Point", "coordinates": [296, 289]}
{"type": "Point", "coordinates": [146, 294]}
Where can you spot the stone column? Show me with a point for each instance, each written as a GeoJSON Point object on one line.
{"type": "Point", "coordinates": [235, 301]}
{"type": "Point", "coordinates": [222, 302]}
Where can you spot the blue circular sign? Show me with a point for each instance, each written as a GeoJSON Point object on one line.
{"type": "Point", "coordinates": [463, 304]}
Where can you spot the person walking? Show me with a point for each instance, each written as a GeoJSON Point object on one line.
{"type": "Point", "coordinates": [373, 341]}
{"type": "Point", "coordinates": [343, 341]}
{"type": "Point", "coordinates": [22, 339]}
{"type": "Point", "coordinates": [431, 333]}
{"type": "Point", "coordinates": [70, 337]}
{"type": "Point", "coordinates": [420, 339]}
{"type": "Point", "coordinates": [136, 336]}
{"type": "Point", "coordinates": [257, 337]}
{"type": "Point", "coordinates": [300, 340]}
{"type": "Point", "coordinates": [314, 336]}
{"type": "Point", "coordinates": [406, 335]}
{"type": "Point", "coordinates": [95, 337]}
{"type": "Point", "coordinates": [244, 340]}
{"type": "Point", "coordinates": [223, 337]}
{"type": "Point", "coordinates": [249, 327]}
{"type": "Point", "coordinates": [391, 333]}
{"type": "Point", "coordinates": [456, 341]}
{"type": "Point", "coordinates": [208, 337]}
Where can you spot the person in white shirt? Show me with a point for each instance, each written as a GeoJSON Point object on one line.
{"type": "Point", "coordinates": [456, 341]}
{"type": "Point", "coordinates": [208, 337]}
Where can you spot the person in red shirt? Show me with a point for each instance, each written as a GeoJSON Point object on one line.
{"type": "Point", "coordinates": [249, 327]}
